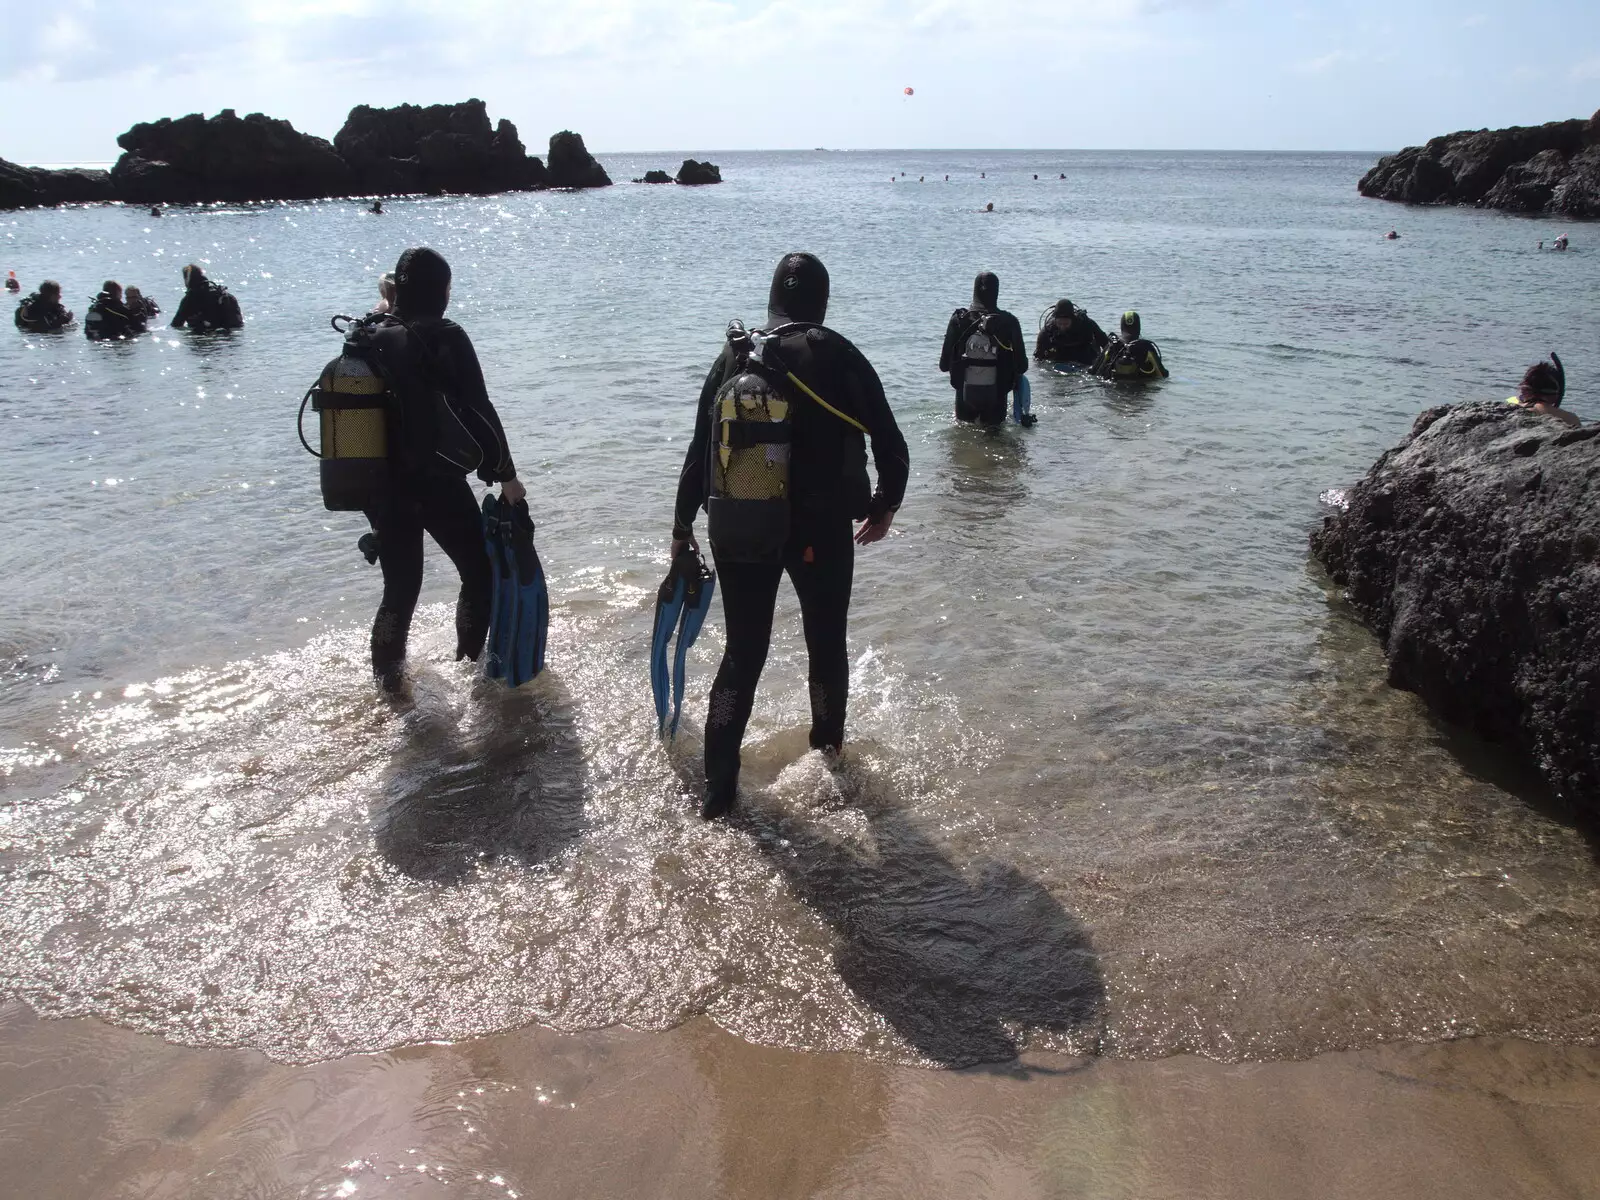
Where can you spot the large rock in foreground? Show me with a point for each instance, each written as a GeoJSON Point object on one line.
{"type": "Point", "coordinates": [1471, 550]}
{"type": "Point", "coordinates": [1552, 168]}
{"type": "Point", "coordinates": [194, 160]}
{"type": "Point", "coordinates": [437, 149]}
{"type": "Point", "coordinates": [571, 164]}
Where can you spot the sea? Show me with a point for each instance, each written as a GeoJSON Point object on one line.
{"type": "Point", "coordinates": [1123, 775]}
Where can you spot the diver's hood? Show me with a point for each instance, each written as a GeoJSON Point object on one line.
{"type": "Point", "coordinates": [799, 290]}
{"type": "Point", "coordinates": [421, 283]}
{"type": "Point", "coordinates": [986, 290]}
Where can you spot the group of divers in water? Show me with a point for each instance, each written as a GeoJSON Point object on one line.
{"type": "Point", "coordinates": [777, 462]}
{"type": "Point", "coordinates": [115, 313]}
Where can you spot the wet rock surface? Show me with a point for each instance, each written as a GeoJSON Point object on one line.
{"type": "Point", "coordinates": [571, 164]}
{"type": "Point", "coordinates": [1553, 168]}
{"type": "Point", "coordinates": [30, 187]}
{"type": "Point", "coordinates": [195, 160]}
{"type": "Point", "coordinates": [655, 177]}
{"type": "Point", "coordinates": [698, 173]}
{"type": "Point", "coordinates": [1472, 550]}
{"type": "Point", "coordinates": [435, 149]}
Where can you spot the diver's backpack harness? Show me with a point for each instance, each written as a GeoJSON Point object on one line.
{"type": "Point", "coordinates": [979, 351]}
{"type": "Point", "coordinates": [749, 493]}
{"type": "Point", "coordinates": [363, 416]}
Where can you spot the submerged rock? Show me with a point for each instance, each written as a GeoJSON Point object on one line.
{"type": "Point", "coordinates": [1472, 549]}
{"type": "Point", "coordinates": [435, 149]}
{"type": "Point", "coordinates": [1553, 168]}
{"type": "Point", "coordinates": [698, 173]}
{"type": "Point", "coordinates": [194, 160]}
{"type": "Point", "coordinates": [571, 164]}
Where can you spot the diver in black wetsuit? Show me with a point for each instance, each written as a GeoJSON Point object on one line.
{"type": "Point", "coordinates": [108, 317]}
{"type": "Point", "coordinates": [205, 305]}
{"type": "Point", "coordinates": [140, 307]}
{"type": "Point", "coordinates": [423, 354]}
{"type": "Point", "coordinates": [1128, 356]}
{"type": "Point", "coordinates": [1069, 336]}
{"type": "Point", "coordinates": [984, 353]}
{"type": "Point", "coordinates": [828, 489]}
{"type": "Point", "coordinates": [42, 311]}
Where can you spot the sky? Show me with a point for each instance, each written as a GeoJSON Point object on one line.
{"type": "Point", "coordinates": [705, 75]}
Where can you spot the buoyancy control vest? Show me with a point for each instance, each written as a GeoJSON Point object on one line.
{"type": "Point", "coordinates": [751, 483]}
{"type": "Point", "coordinates": [382, 415]}
{"type": "Point", "coordinates": [985, 365]}
{"type": "Point", "coordinates": [1138, 359]}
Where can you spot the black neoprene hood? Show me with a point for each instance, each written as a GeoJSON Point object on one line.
{"type": "Point", "coordinates": [421, 283]}
{"type": "Point", "coordinates": [986, 290]}
{"type": "Point", "coordinates": [799, 289]}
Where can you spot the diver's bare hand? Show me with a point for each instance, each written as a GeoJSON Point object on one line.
{"type": "Point", "coordinates": [874, 531]}
{"type": "Point", "coordinates": [512, 491]}
{"type": "Point", "coordinates": [679, 543]}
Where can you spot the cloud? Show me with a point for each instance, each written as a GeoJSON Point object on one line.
{"type": "Point", "coordinates": [94, 39]}
{"type": "Point", "coordinates": [1323, 63]}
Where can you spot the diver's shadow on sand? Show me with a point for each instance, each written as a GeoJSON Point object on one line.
{"type": "Point", "coordinates": [959, 963]}
{"type": "Point", "coordinates": [504, 778]}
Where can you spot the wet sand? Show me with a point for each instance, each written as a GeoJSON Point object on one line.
{"type": "Point", "coordinates": [88, 1110]}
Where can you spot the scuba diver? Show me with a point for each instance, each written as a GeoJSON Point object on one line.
{"type": "Point", "coordinates": [1068, 335]}
{"type": "Point", "coordinates": [11, 282]}
{"type": "Point", "coordinates": [206, 305]}
{"type": "Point", "coordinates": [42, 311]}
{"type": "Point", "coordinates": [1543, 387]}
{"type": "Point", "coordinates": [139, 307]}
{"type": "Point", "coordinates": [109, 317]}
{"type": "Point", "coordinates": [1129, 356]}
{"type": "Point", "coordinates": [779, 462]}
{"type": "Point", "coordinates": [426, 358]}
{"type": "Point", "coordinates": [984, 354]}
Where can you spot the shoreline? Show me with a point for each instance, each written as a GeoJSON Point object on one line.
{"type": "Point", "coordinates": [88, 1109]}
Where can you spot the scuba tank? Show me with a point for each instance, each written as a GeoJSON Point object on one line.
{"type": "Point", "coordinates": [355, 408]}
{"type": "Point", "coordinates": [747, 509]}
{"type": "Point", "coordinates": [980, 371]}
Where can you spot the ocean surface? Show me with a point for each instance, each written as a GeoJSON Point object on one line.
{"type": "Point", "coordinates": [1123, 776]}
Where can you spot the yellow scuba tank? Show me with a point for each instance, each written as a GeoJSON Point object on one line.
{"type": "Point", "coordinates": [355, 408]}
{"type": "Point", "coordinates": [747, 510]}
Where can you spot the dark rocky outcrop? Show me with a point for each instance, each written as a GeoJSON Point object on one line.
{"type": "Point", "coordinates": [1552, 168]}
{"type": "Point", "coordinates": [571, 165]}
{"type": "Point", "coordinates": [194, 160]}
{"type": "Point", "coordinates": [1472, 549]}
{"type": "Point", "coordinates": [698, 173]}
{"type": "Point", "coordinates": [437, 149]}
{"type": "Point", "coordinates": [30, 187]}
{"type": "Point", "coordinates": [655, 177]}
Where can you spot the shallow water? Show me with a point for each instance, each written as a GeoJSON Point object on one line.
{"type": "Point", "coordinates": [1123, 776]}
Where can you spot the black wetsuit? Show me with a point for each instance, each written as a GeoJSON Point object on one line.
{"type": "Point", "coordinates": [38, 315]}
{"type": "Point", "coordinates": [1138, 359]}
{"type": "Point", "coordinates": [1011, 360]}
{"type": "Point", "coordinates": [1080, 344]}
{"type": "Point", "coordinates": [829, 489]}
{"type": "Point", "coordinates": [108, 318]}
{"type": "Point", "coordinates": [207, 305]}
{"type": "Point", "coordinates": [430, 493]}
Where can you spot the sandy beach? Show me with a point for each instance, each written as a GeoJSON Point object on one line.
{"type": "Point", "coordinates": [87, 1110]}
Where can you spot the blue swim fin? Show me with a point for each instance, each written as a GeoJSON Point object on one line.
{"type": "Point", "coordinates": [700, 584]}
{"type": "Point", "coordinates": [519, 617]}
{"type": "Point", "coordinates": [682, 602]}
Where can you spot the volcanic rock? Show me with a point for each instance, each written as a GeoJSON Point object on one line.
{"type": "Point", "coordinates": [437, 149]}
{"type": "Point", "coordinates": [1472, 550]}
{"type": "Point", "coordinates": [1552, 168]}
{"type": "Point", "coordinates": [698, 173]}
{"type": "Point", "coordinates": [655, 177]}
{"type": "Point", "coordinates": [29, 187]}
{"type": "Point", "coordinates": [195, 160]}
{"type": "Point", "coordinates": [571, 164]}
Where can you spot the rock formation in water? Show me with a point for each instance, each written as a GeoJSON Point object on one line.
{"type": "Point", "coordinates": [571, 165]}
{"type": "Point", "coordinates": [1472, 549]}
{"type": "Point", "coordinates": [438, 149]}
{"type": "Point", "coordinates": [697, 173]}
{"type": "Point", "coordinates": [379, 151]}
{"type": "Point", "coordinates": [1552, 168]}
{"type": "Point", "coordinates": [194, 160]}
{"type": "Point", "coordinates": [655, 177]}
{"type": "Point", "coordinates": [32, 187]}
